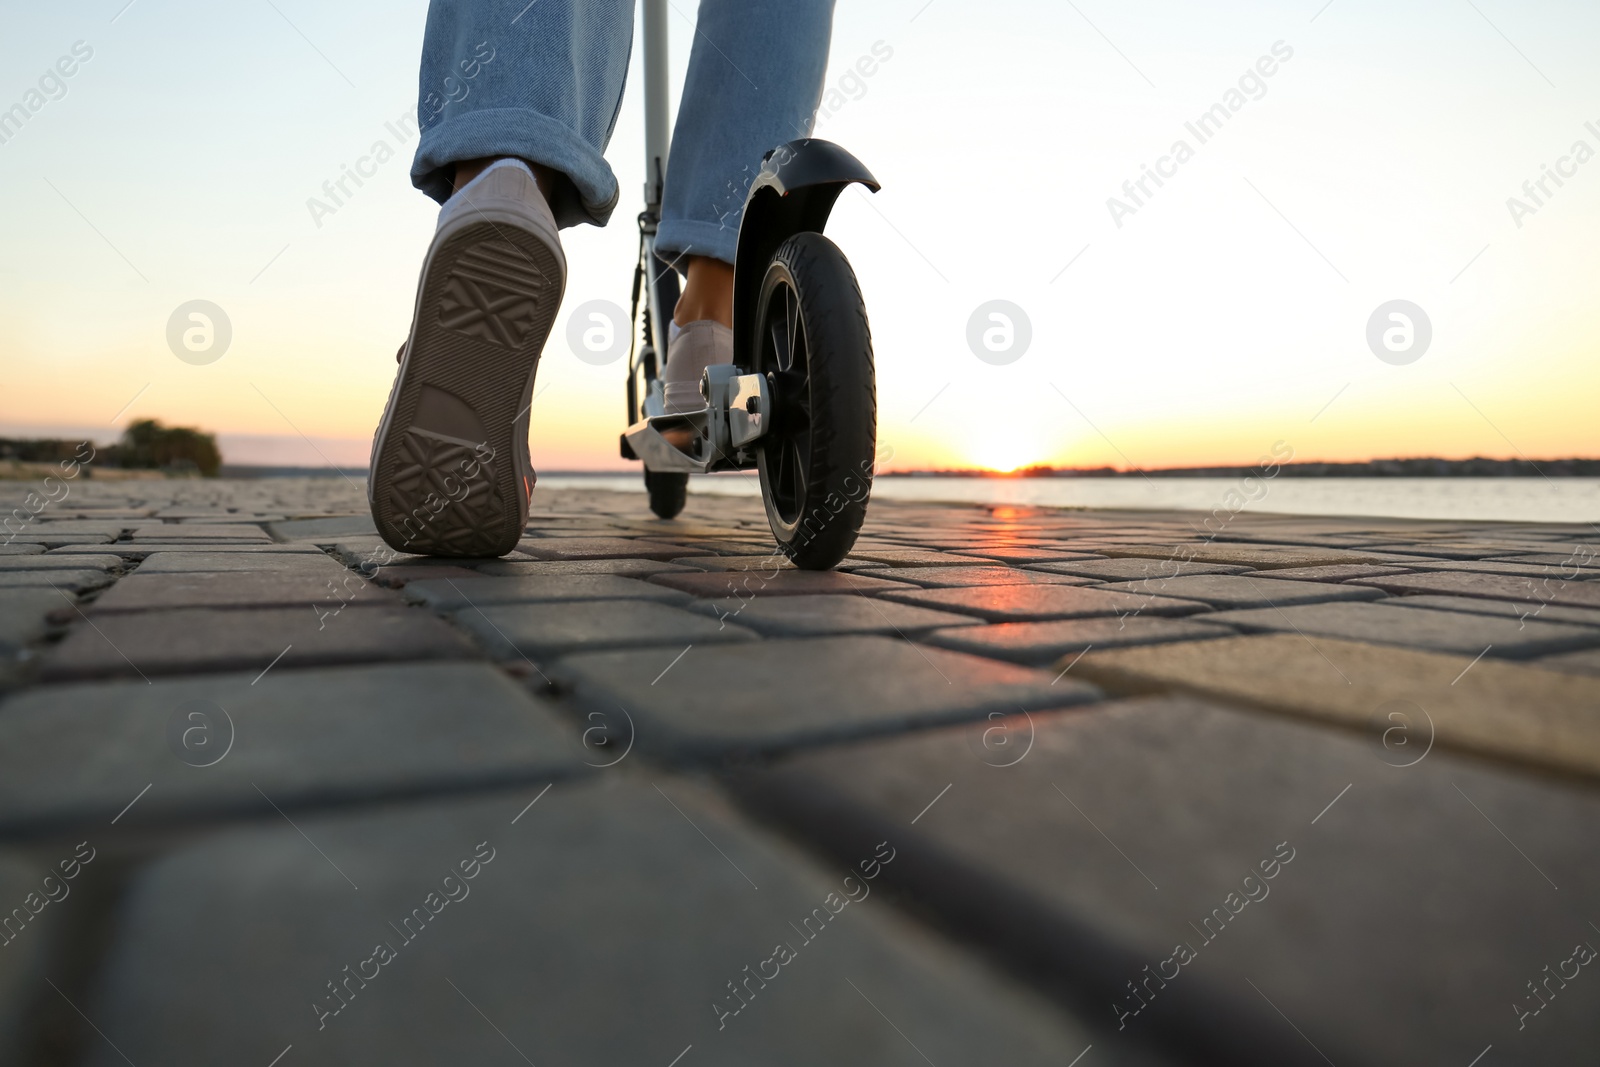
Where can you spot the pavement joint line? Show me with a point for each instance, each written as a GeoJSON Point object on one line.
{"type": "Point", "coordinates": [931, 803]}
{"type": "Point", "coordinates": [1331, 803]}
{"type": "Point", "coordinates": [499, 631]}
{"type": "Point", "coordinates": [685, 1052]}
{"type": "Point", "coordinates": [131, 803]}
{"type": "Point", "coordinates": [90, 1021]}
{"type": "Point", "coordinates": [1502, 833]}
{"type": "Point", "coordinates": [280, 1056]}
{"type": "Point", "coordinates": [1102, 833]}
{"type": "Point", "coordinates": [274, 662]}
{"type": "Point", "coordinates": [1085, 1052]}
{"type": "Point", "coordinates": [673, 664]}
{"type": "Point", "coordinates": [1474, 663]}
{"type": "Point", "coordinates": [490, 1021]}
{"type": "Point", "coordinates": [97, 630]}
{"type": "Point", "coordinates": [1299, 631]}
{"type": "Point", "coordinates": [1480, 1056]}
{"type": "Point", "coordinates": [890, 1021]}
{"type": "Point", "coordinates": [531, 803]}
{"type": "Point", "coordinates": [703, 834]}
{"type": "Point", "coordinates": [1290, 1021]}
{"type": "Point", "coordinates": [302, 833]}
{"type": "Point", "coordinates": [904, 638]}
{"type": "Point", "coordinates": [1071, 665]}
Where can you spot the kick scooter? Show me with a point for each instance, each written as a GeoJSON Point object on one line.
{"type": "Point", "coordinates": [799, 402]}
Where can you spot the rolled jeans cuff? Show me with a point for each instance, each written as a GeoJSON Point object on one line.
{"type": "Point", "coordinates": [589, 193]}
{"type": "Point", "coordinates": [676, 238]}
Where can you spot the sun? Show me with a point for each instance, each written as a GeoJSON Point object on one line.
{"type": "Point", "coordinates": [1004, 451]}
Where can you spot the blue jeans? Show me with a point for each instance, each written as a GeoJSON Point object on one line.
{"type": "Point", "coordinates": [543, 82]}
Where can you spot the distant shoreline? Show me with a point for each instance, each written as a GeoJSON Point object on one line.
{"type": "Point", "coordinates": [1379, 468]}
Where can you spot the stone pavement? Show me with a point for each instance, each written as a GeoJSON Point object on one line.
{"type": "Point", "coordinates": [1059, 787]}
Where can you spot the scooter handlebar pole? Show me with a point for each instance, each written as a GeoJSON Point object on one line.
{"type": "Point", "coordinates": [657, 131]}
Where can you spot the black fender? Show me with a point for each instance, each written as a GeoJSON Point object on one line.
{"type": "Point", "coordinates": [794, 193]}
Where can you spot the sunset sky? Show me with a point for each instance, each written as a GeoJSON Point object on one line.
{"type": "Point", "coordinates": [1227, 312]}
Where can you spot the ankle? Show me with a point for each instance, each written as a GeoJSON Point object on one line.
{"type": "Point", "coordinates": [707, 292]}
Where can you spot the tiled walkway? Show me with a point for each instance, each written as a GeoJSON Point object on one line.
{"type": "Point", "coordinates": [1012, 786]}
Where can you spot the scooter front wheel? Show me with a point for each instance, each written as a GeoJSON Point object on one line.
{"type": "Point", "coordinates": [669, 491]}
{"type": "Point", "coordinates": [815, 349]}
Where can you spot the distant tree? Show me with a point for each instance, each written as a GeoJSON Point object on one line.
{"type": "Point", "coordinates": [147, 444]}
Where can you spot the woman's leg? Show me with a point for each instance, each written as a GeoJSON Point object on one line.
{"type": "Point", "coordinates": [539, 82]}
{"type": "Point", "coordinates": [755, 78]}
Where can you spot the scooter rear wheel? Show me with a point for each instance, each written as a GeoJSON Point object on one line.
{"type": "Point", "coordinates": [668, 490]}
{"type": "Point", "coordinates": [814, 346]}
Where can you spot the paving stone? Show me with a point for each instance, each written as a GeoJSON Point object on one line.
{"type": "Point", "coordinates": [49, 540]}
{"type": "Point", "coordinates": [60, 563]}
{"type": "Point", "coordinates": [1263, 557]}
{"type": "Point", "coordinates": [603, 548]}
{"type": "Point", "coordinates": [533, 954]}
{"type": "Point", "coordinates": [73, 581]}
{"type": "Point", "coordinates": [769, 561]}
{"type": "Point", "coordinates": [77, 754]}
{"type": "Point", "coordinates": [1585, 662]}
{"type": "Point", "coordinates": [1572, 564]}
{"type": "Point", "coordinates": [320, 591]}
{"type": "Point", "coordinates": [24, 616]}
{"type": "Point", "coordinates": [1440, 631]}
{"type": "Point", "coordinates": [805, 616]}
{"type": "Point", "coordinates": [169, 532]}
{"type": "Point", "coordinates": [1040, 644]}
{"type": "Point", "coordinates": [915, 557]}
{"type": "Point", "coordinates": [968, 577]}
{"type": "Point", "coordinates": [1528, 590]}
{"type": "Point", "coordinates": [17, 549]}
{"type": "Point", "coordinates": [1503, 710]}
{"type": "Point", "coordinates": [129, 550]}
{"type": "Point", "coordinates": [1520, 609]}
{"type": "Point", "coordinates": [633, 568]}
{"type": "Point", "coordinates": [324, 531]}
{"type": "Point", "coordinates": [1490, 566]}
{"type": "Point", "coordinates": [1133, 568]}
{"type": "Point", "coordinates": [192, 640]}
{"type": "Point", "coordinates": [1442, 550]}
{"type": "Point", "coordinates": [525, 631]}
{"type": "Point", "coordinates": [400, 577]}
{"type": "Point", "coordinates": [1129, 829]}
{"type": "Point", "coordinates": [1338, 572]}
{"type": "Point", "coordinates": [113, 526]}
{"type": "Point", "coordinates": [833, 689]}
{"type": "Point", "coordinates": [1239, 591]}
{"type": "Point", "coordinates": [180, 561]}
{"type": "Point", "coordinates": [712, 585]}
{"type": "Point", "coordinates": [26, 944]}
{"type": "Point", "coordinates": [1032, 603]}
{"type": "Point", "coordinates": [1030, 554]}
{"type": "Point", "coordinates": [451, 594]}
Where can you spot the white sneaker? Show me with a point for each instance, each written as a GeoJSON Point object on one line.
{"type": "Point", "coordinates": [450, 473]}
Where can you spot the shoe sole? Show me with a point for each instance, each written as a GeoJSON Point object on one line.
{"type": "Point", "coordinates": [450, 471]}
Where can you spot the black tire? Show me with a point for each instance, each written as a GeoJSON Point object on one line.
{"type": "Point", "coordinates": [813, 343]}
{"type": "Point", "coordinates": [669, 491]}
